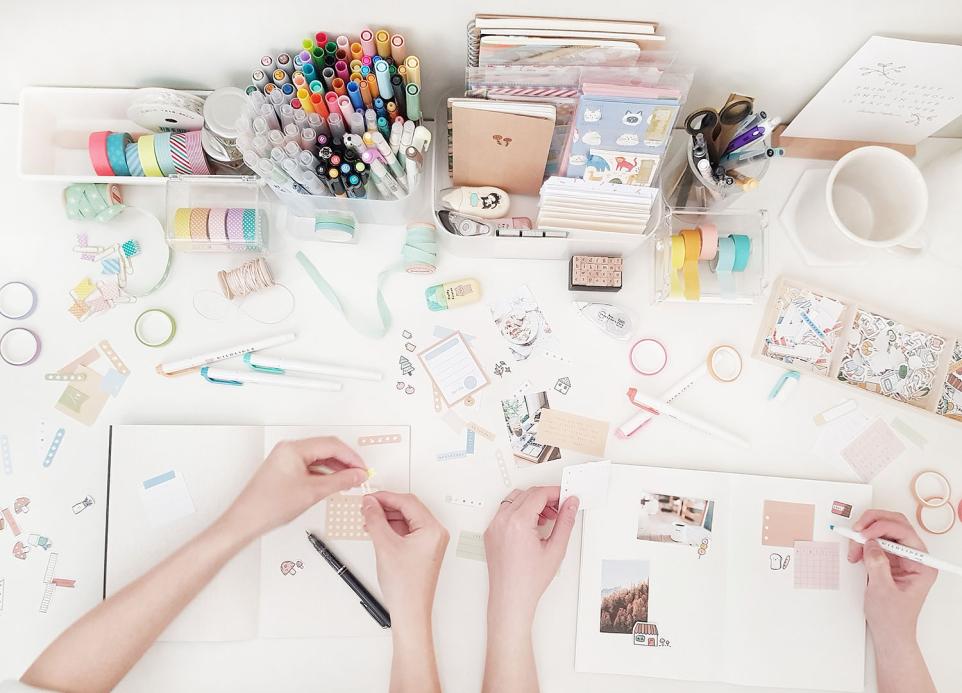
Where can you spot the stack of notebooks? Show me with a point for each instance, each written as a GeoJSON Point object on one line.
{"type": "Point", "coordinates": [573, 204]}
{"type": "Point", "coordinates": [508, 39]}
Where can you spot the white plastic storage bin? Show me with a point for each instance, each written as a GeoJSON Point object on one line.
{"type": "Point", "coordinates": [218, 193]}
{"type": "Point", "coordinates": [575, 243]}
{"type": "Point", "coordinates": [55, 123]}
{"type": "Point", "coordinates": [749, 284]}
{"type": "Point", "coordinates": [371, 209]}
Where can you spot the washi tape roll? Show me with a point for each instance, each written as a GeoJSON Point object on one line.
{"type": "Point", "coordinates": [162, 151]}
{"type": "Point", "coordinates": [178, 152]}
{"type": "Point", "coordinates": [929, 526]}
{"type": "Point", "coordinates": [97, 149]}
{"type": "Point", "coordinates": [19, 346]}
{"type": "Point", "coordinates": [677, 261]}
{"type": "Point", "coordinates": [132, 154]}
{"type": "Point", "coordinates": [148, 159]}
{"type": "Point", "coordinates": [17, 300]}
{"type": "Point", "coordinates": [182, 223]}
{"type": "Point", "coordinates": [195, 154]}
{"type": "Point", "coordinates": [117, 152]}
{"type": "Point", "coordinates": [420, 251]}
{"type": "Point", "coordinates": [709, 241]}
{"type": "Point", "coordinates": [249, 222]}
{"type": "Point", "coordinates": [943, 494]}
{"type": "Point", "coordinates": [234, 223]}
{"type": "Point", "coordinates": [743, 251]}
{"type": "Point", "coordinates": [689, 271]}
{"type": "Point", "coordinates": [723, 264]}
{"type": "Point", "coordinates": [155, 327]}
{"type": "Point", "coordinates": [217, 224]}
{"type": "Point", "coordinates": [198, 223]}
{"type": "Point", "coordinates": [648, 356]}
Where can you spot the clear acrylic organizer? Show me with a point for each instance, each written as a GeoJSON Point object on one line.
{"type": "Point", "coordinates": [748, 285]}
{"type": "Point", "coordinates": [217, 193]}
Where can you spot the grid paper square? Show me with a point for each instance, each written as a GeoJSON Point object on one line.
{"type": "Point", "coordinates": [873, 450]}
{"type": "Point", "coordinates": [816, 565]}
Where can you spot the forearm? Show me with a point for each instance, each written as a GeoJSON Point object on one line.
{"type": "Point", "coordinates": [899, 667]}
{"type": "Point", "coordinates": [509, 661]}
{"type": "Point", "coordinates": [414, 668]}
{"type": "Point", "coordinates": [97, 651]}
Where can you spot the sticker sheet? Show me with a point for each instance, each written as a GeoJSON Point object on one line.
{"type": "Point", "coordinates": [891, 359]}
{"type": "Point", "coordinates": [806, 330]}
{"type": "Point", "coordinates": [619, 127]}
{"type": "Point", "coordinates": [950, 404]}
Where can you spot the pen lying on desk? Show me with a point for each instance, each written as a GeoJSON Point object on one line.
{"type": "Point", "coordinates": [224, 376]}
{"type": "Point", "coordinates": [368, 601]}
{"type": "Point", "coordinates": [275, 364]}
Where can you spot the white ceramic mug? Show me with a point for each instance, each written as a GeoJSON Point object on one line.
{"type": "Point", "coordinates": [877, 197]}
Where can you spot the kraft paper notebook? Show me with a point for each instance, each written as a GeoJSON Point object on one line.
{"type": "Point", "coordinates": [722, 577]}
{"type": "Point", "coordinates": [501, 144]}
{"type": "Point", "coordinates": [167, 483]}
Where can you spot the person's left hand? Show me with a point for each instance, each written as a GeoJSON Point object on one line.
{"type": "Point", "coordinates": [296, 475]}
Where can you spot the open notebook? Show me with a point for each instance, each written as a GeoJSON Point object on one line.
{"type": "Point", "coordinates": [722, 577]}
{"type": "Point", "coordinates": [167, 483]}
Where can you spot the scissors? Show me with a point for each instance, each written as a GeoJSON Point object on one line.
{"type": "Point", "coordinates": [717, 124]}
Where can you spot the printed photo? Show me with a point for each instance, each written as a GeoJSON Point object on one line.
{"type": "Point", "coordinates": [523, 326]}
{"type": "Point", "coordinates": [624, 595]}
{"type": "Point", "coordinates": [678, 519]}
{"type": "Point", "coordinates": [521, 416]}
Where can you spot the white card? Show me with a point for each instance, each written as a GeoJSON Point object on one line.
{"type": "Point", "coordinates": [165, 498]}
{"type": "Point", "coordinates": [453, 368]}
{"type": "Point", "coordinates": [589, 482]}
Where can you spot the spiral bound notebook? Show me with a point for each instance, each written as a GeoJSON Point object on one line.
{"type": "Point", "coordinates": [167, 483]}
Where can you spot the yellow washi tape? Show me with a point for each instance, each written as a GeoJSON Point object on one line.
{"type": "Point", "coordinates": [677, 262]}
{"type": "Point", "coordinates": [148, 158]}
{"type": "Point", "coordinates": [182, 223]}
{"type": "Point", "coordinates": [692, 239]}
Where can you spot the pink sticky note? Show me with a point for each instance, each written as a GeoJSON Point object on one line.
{"type": "Point", "coordinates": [816, 565]}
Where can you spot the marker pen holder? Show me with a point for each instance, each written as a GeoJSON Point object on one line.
{"type": "Point", "coordinates": [690, 188]}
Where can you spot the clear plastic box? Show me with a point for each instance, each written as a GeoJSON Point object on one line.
{"type": "Point", "coordinates": [748, 285]}
{"type": "Point", "coordinates": [218, 192]}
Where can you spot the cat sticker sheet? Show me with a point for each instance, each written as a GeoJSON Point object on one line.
{"type": "Point", "coordinates": [619, 139]}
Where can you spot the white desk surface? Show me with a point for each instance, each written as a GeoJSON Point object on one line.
{"type": "Point", "coordinates": [35, 245]}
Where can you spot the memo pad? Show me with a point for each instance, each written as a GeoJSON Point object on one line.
{"type": "Point", "coordinates": [785, 523]}
{"type": "Point", "coordinates": [453, 368]}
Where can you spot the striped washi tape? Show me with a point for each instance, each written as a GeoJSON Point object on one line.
{"type": "Point", "coordinates": [5, 454]}
{"type": "Point", "coordinates": [54, 447]}
{"type": "Point", "coordinates": [162, 151]}
{"type": "Point", "coordinates": [179, 153]}
{"type": "Point", "coordinates": [132, 155]}
{"type": "Point", "coordinates": [195, 154]}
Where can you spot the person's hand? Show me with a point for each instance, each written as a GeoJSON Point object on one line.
{"type": "Point", "coordinates": [296, 475]}
{"type": "Point", "coordinates": [409, 545]}
{"type": "Point", "coordinates": [521, 564]}
{"type": "Point", "coordinates": [897, 587]}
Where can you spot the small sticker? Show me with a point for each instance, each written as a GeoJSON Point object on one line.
{"type": "Point", "coordinates": [404, 387]}
{"type": "Point", "coordinates": [562, 385]}
{"type": "Point", "coordinates": [409, 346]}
{"type": "Point", "coordinates": [503, 468]}
{"type": "Point", "coordinates": [464, 500]}
{"type": "Point", "coordinates": [291, 567]}
{"type": "Point", "coordinates": [65, 377]}
{"type": "Point", "coordinates": [54, 447]}
{"type": "Point", "coordinates": [113, 357]}
{"type": "Point", "coordinates": [82, 505]}
{"type": "Point", "coordinates": [840, 508]}
{"type": "Point", "coordinates": [5, 454]}
{"type": "Point", "coordinates": [407, 368]}
{"type": "Point", "coordinates": [406, 334]}
{"type": "Point", "coordinates": [500, 368]}
{"type": "Point", "coordinates": [379, 440]}
{"type": "Point", "coordinates": [438, 404]}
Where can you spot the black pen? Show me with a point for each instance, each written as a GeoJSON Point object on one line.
{"type": "Point", "coordinates": [368, 601]}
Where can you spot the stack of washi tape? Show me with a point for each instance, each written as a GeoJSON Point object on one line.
{"type": "Point", "coordinates": [725, 255]}
{"type": "Point", "coordinates": [156, 155]}
{"type": "Point", "coordinates": [217, 228]}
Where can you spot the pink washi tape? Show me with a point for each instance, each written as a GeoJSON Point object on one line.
{"type": "Point", "coordinates": [648, 356]}
{"type": "Point", "coordinates": [97, 148]}
{"type": "Point", "coordinates": [195, 154]}
{"type": "Point", "coordinates": [217, 224]}
{"type": "Point", "coordinates": [709, 241]}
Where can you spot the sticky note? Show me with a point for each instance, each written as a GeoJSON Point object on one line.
{"type": "Point", "coordinates": [873, 450]}
{"type": "Point", "coordinates": [589, 482]}
{"type": "Point", "coordinates": [785, 523]}
{"type": "Point", "coordinates": [165, 499]}
{"type": "Point", "coordinates": [572, 432]}
{"type": "Point", "coordinates": [470, 545]}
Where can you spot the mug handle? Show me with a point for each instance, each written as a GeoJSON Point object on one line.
{"type": "Point", "coordinates": [909, 250]}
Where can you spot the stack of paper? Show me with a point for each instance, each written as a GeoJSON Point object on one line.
{"type": "Point", "coordinates": [573, 204]}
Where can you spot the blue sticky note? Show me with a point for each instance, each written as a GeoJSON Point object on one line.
{"type": "Point", "coordinates": [112, 382]}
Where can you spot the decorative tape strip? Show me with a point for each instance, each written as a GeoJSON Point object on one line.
{"type": "Point", "coordinates": [437, 400]}
{"type": "Point", "coordinates": [481, 431]}
{"type": "Point", "coordinates": [113, 357]}
{"type": "Point", "coordinates": [195, 154]}
{"type": "Point", "coordinates": [471, 545]}
{"type": "Point", "coordinates": [379, 440]}
{"type": "Point", "coordinates": [14, 527]}
{"type": "Point", "coordinates": [178, 152]}
{"type": "Point", "coordinates": [65, 377]}
{"type": "Point", "coordinates": [452, 455]}
{"type": "Point", "coordinates": [910, 433]}
{"type": "Point", "coordinates": [454, 422]}
{"type": "Point", "coordinates": [469, 443]}
{"type": "Point", "coordinates": [54, 447]}
{"type": "Point", "coordinates": [503, 468]}
{"type": "Point", "coordinates": [47, 596]}
{"type": "Point", "coordinates": [5, 454]}
{"type": "Point", "coordinates": [63, 582]}
{"type": "Point", "coordinates": [464, 500]}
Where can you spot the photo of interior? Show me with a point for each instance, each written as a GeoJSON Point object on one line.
{"type": "Point", "coordinates": [666, 518]}
{"type": "Point", "coordinates": [521, 416]}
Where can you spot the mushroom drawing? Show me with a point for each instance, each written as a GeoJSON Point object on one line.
{"type": "Point", "coordinates": [21, 505]}
{"type": "Point", "coordinates": [289, 567]}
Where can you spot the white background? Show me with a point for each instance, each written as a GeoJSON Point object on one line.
{"type": "Point", "coordinates": [780, 52]}
{"type": "Point", "coordinates": [781, 56]}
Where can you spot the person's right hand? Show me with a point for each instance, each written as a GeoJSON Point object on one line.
{"type": "Point", "coordinates": [897, 587]}
{"type": "Point", "coordinates": [409, 545]}
{"type": "Point", "coordinates": [521, 564]}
